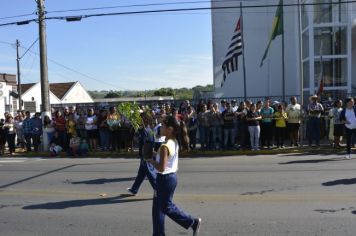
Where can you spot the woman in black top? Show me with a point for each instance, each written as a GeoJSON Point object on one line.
{"type": "Point", "coordinates": [252, 118]}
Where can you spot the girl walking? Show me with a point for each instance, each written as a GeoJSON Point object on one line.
{"type": "Point", "coordinates": [166, 164]}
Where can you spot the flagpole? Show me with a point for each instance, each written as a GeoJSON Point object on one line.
{"type": "Point", "coordinates": [283, 64]}
{"type": "Point", "coordinates": [300, 30]}
{"type": "Point", "coordinates": [321, 85]}
{"type": "Point", "coordinates": [243, 52]}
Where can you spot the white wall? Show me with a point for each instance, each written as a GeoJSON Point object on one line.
{"type": "Point", "coordinates": [5, 99]}
{"type": "Point", "coordinates": [353, 47]}
{"type": "Point", "coordinates": [35, 92]}
{"type": "Point", "coordinates": [261, 81]}
{"type": "Point", "coordinates": [77, 94]}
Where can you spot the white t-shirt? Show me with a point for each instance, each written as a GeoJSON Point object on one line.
{"type": "Point", "coordinates": [294, 113]}
{"type": "Point", "coordinates": [172, 162]}
{"type": "Point", "coordinates": [350, 118]}
{"type": "Point", "coordinates": [90, 125]}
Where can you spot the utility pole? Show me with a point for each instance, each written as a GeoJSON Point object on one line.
{"type": "Point", "coordinates": [19, 91]}
{"type": "Point", "coordinates": [44, 68]}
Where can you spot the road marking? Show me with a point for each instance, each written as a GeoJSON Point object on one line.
{"type": "Point", "coordinates": [18, 159]}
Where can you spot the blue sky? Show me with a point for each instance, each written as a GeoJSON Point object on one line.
{"type": "Point", "coordinates": [133, 52]}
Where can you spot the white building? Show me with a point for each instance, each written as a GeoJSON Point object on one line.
{"type": "Point", "coordinates": [8, 86]}
{"type": "Point", "coordinates": [330, 23]}
{"type": "Point", "coordinates": [60, 93]}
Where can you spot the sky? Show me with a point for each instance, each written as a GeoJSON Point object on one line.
{"type": "Point", "coordinates": [131, 52]}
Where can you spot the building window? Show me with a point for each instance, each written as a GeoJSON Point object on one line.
{"type": "Point", "coordinates": [334, 71]}
{"type": "Point", "coordinates": [335, 94]}
{"type": "Point", "coordinates": [332, 39]}
{"type": "Point", "coordinates": [322, 11]}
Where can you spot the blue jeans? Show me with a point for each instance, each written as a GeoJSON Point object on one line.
{"type": "Point", "coordinates": [229, 134]}
{"type": "Point", "coordinates": [28, 142]}
{"type": "Point", "coordinates": [145, 170]}
{"type": "Point", "coordinates": [350, 134]}
{"type": "Point", "coordinates": [217, 135]}
{"type": "Point", "coordinates": [163, 205]}
{"type": "Point", "coordinates": [104, 138]}
{"type": "Point", "coordinates": [314, 130]}
{"type": "Point", "coordinates": [203, 136]}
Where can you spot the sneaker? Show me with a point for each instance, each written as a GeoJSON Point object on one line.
{"type": "Point", "coordinates": [196, 226]}
{"type": "Point", "coordinates": [348, 156]}
{"type": "Point", "coordinates": [132, 192]}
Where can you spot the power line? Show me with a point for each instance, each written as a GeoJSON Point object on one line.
{"type": "Point", "coordinates": [78, 72]}
{"type": "Point", "coordinates": [10, 17]}
{"type": "Point", "coordinates": [126, 6]}
{"type": "Point", "coordinates": [85, 75]}
{"type": "Point", "coordinates": [133, 5]}
{"type": "Point", "coordinates": [148, 5]}
{"type": "Point", "coordinates": [79, 17]}
{"type": "Point", "coordinates": [7, 43]}
{"type": "Point", "coordinates": [29, 48]}
{"type": "Point", "coordinates": [65, 67]}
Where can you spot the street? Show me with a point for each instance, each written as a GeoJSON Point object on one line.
{"type": "Point", "coordinates": [287, 194]}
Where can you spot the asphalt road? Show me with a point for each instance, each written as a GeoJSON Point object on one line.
{"type": "Point", "coordinates": [237, 195]}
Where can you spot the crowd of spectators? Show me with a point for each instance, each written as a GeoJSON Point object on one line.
{"type": "Point", "coordinates": [223, 125]}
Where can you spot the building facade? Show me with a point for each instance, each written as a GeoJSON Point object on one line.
{"type": "Point", "coordinates": [60, 93]}
{"type": "Point", "coordinates": [8, 92]}
{"type": "Point", "coordinates": [327, 45]}
{"type": "Point", "coordinates": [324, 31]}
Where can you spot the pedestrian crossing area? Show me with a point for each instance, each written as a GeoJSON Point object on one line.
{"type": "Point", "coordinates": [9, 160]}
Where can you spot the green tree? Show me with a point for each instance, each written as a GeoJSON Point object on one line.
{"type": "Point", "coordinates": [113, 94]}
{"type": "Point", "coordinates": [132, 112]}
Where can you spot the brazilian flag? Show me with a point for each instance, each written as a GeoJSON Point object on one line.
{"type": "Point", "coordinates": [277, 28]}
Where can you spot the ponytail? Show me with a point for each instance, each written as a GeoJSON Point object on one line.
{"type": "Point", "coordinates": [180, 131]}
{"type": "Point", "coordinates": [183, 136]}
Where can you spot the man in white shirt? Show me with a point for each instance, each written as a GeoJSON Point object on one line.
{"type": "Point", "coordinates": [294, 113]}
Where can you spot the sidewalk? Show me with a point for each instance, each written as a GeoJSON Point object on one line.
{"type": "Point", "coordinates": [324, 149]}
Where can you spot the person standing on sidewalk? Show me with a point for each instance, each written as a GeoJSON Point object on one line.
{"type": "Point", "coordinates": [315, 110]}
{"type": "Point", "coordinates": [281, 117]}
{"type": "Point", "coordinates": [266, 124]}
{"type": "Point", "coordinates": [348, 116]}
{"type": "Point", "coordinates": [10, 133]}
{"type": "Point", "coordinates": [338, 124]}
{"type": "Point", "coordinates": [228, 126]}
{"type": "Point", "coordinates": [253, 122]}
{"type": "Point", "coordinates": [166, 164]}
{"type": "Point", "coordinates": [294, 114]}
{"type": "Point", "coordinates": [27, 130]}
{"type": "Point", "coordinates": [36, 131]}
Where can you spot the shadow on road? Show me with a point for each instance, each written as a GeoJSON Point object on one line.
{"type": "Point", "coordinates": [311, 161]}
{"type": "Point", "coordinates": [49, 172]}
{"type": "Point", "coordinates": [123, 198]}
{"type": "Point", "coordinates": [340, 182]}
{"type": "Point", "coordinates": [104, 181]}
